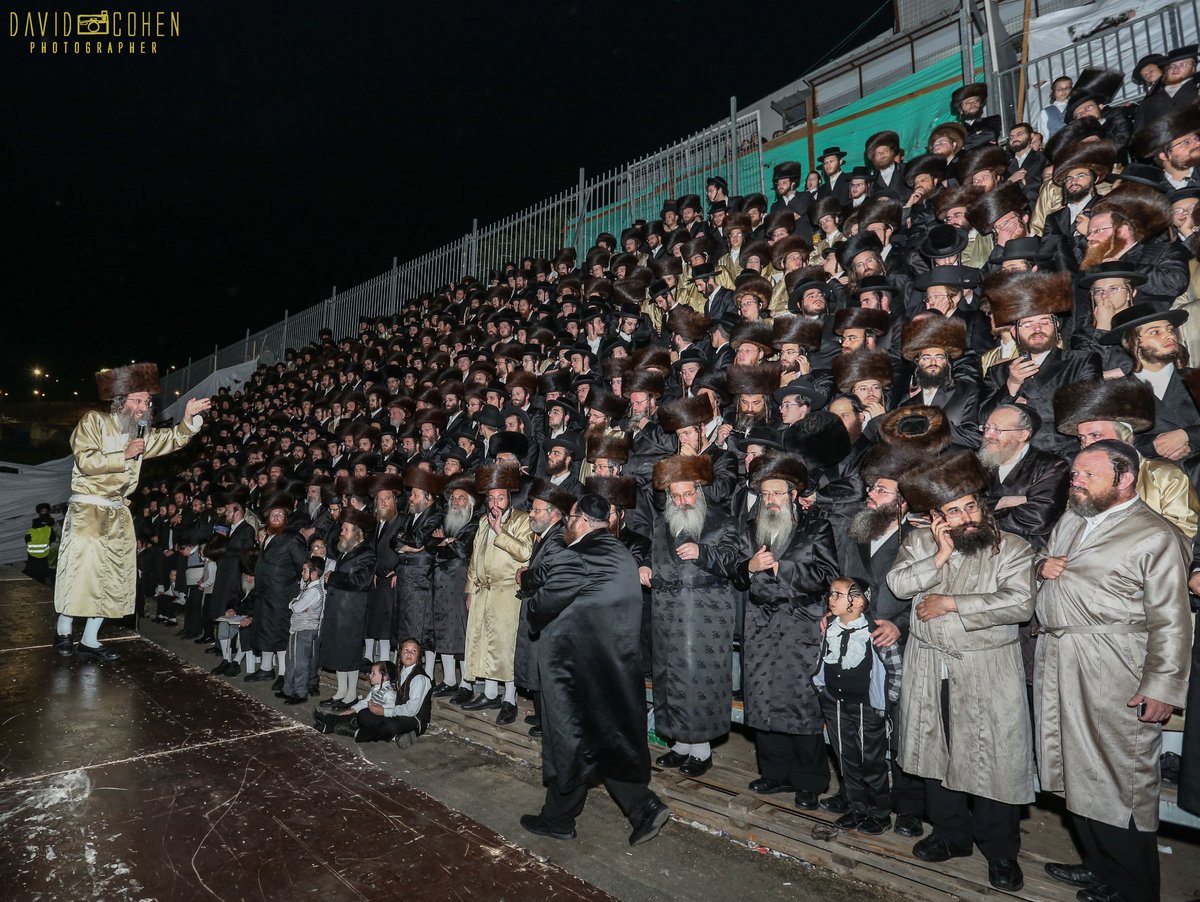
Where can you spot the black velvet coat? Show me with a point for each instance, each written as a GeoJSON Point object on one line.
{"type": "Point", "coordinates": [345, 620]}
{"type": "Point", "coordinates": [381, 599]}
{"type": "Point", "coordinates": [227, 584]}
{"type": "Point", "coordinates": [1057, 369]}
{"type": "Point", "coordinates": [782, 634]}
{"type": "Point", "coordinates": [1043, 479]}
{"type": "Point", "coordinates": [589, 614]}
{"type": "Point", "coordinates": [276, 581]}
{"type": "Point", "coordinates": [693, 617]}
{"type": "Point", "coordinates": [414, 578]}
{"type": "Point", "coordinates": [546, 552]}
{"type": "Point", "coordinates": [450, 562]}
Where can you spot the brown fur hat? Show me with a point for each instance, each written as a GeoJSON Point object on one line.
{"type": "Point", "coordinates": [651, 382]}
{"type": "Point", "coordinates": [125, 380]}
{"type": "Point", "coordinates": [612, 447]}
{"type": "Point", "coordinates": [555, 381]}
{"type": "Point", "coordinates": [888, 462]}
{"type": "Point", "coordinates": [877, 321]}
{"type": "Point", "coordinates": [1098, 156]}
{"type": "Point", "coordinates": [880, 209]}
{"type": "Point", "coordinates": [1152, 138]}
{"type": "Point", "coordinates": [788, 467]}
{"type": "Point", "coordinates": [614, 368]}
{"type": "Point", "coordinates": [757, 333]}
{"type": "Point", "coordinates": [687, 323]}
{"type": "Point", "coordinates": [990, 156]}
{"type": "Point", "coordinates": [861, 366]}
{"type": "Point", "coordinates": [619, 491]}
{"type": "Point", "coordinates": [1148, 211]}
{"type": "Point", "coordinates": [612, 406]}
{"type": "Point", "coordinates": [434, 415]}
{"type": "Point", "coordinates": [959, 196]}
{"type": "Point", "coordinates": [685, 412]}
{"type": "Point", "coordinates": [652, 358]}
{"type": "Point", "coordinates": [1016, 295]}
{"type": "Point", "coordinates": [1118, 400]}
{"type": "Point", "coordinates": [759, 379]}
{"type": "Point", "coordinates": [544, 490]}
{"type": "Point", "coordinates": [825, 206]}
{"type": "Point", "coordinates": [431, 483]}
{"type": "Point", "coordinates": [997, 203]}
{"type": "Point", "coordinates": [497, 477]}
{"type": "Point", "coordinates": [387, 482]}
{"type": "Point", "coordinates": [522, 379]}
{"type": "Point", "coordinates": [883, 139]}
{"type": "Point", "coordinates": [952, 130]}
{"type": "Point", "coordinates": [678, 468]}
{"type": "Point", "coordinates": [788, 245]}
{"type": "Point", "coordinates": [464, 482]}
{"type": "Point", "coordinates": [738, 221]}
{"type": "Point", "coordinates": [756, 286]}
{"type": "Point", "coordinates": [924, 430]}
{"type": "Point", "coordinates": [934, 331]}
{"type": "Point", "coordinates": [797, 330]}
{"type": "Point", "coordinates": [364, 520]}
{"type": "Point", "coordinates": [933, 483]}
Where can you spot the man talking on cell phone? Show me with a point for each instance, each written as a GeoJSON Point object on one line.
{"type": "Point", "coordinates": [97, 561]}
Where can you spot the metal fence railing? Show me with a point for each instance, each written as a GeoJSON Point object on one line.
{"type": "Point", "coordinates": [573, 218]}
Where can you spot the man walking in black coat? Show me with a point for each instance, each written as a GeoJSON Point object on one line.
{"type": "Point", "coordinates": [589, 614]}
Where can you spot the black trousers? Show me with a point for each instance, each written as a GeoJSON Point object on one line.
{"type": "Point", "coordinates": [1125, 858]}
{"type": "Point", "coordinates": [376, 727]}
{"type": "Point", "coordinates": [908, 792]}
{"type": "Point", "coordinates": [561, 808]}
{"type": "Point", "coordinates": [858, 734]}
{"type": "Point", "coordinates": [793, 758]}
{"type": "Point", "coordinates": [963, 819]}
{"type": "Point", "coordinates": [193, 618]}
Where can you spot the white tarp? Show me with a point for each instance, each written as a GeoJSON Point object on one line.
{"type": "Point", "coordinates": [20, 494]}
{"type": "Point", "coordinates": [232, 378]}
{"type": "Point", "coordinates": [1058, 30]}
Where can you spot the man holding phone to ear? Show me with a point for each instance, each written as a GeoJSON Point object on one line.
{"type": "Point", "coordinates": [1113, 655]}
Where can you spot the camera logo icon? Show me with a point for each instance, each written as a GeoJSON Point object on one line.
{"type": "Point", "coordinates": [92, 23]}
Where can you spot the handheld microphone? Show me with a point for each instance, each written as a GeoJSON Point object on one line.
{"type": "Point", "coordinates": [141, 434]}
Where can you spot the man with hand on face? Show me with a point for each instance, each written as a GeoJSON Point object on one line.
{"type": "Point", "coordinates": [964, 719]}
{"type": "Point", "coordinates": [1112, 665]}
{"type": "Point", "coordinates": [97, 561]}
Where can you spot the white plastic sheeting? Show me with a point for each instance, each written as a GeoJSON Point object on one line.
{"type": "Point", "coordinates": [231, 377]}
{"type": "Point", "coordinates": [20, 494]}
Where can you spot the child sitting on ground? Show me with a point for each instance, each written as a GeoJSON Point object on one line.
{"type": "Point", "coordinates": [307, 608]}
{"type": "Point", "coordinates": [854, 680]}
{"type": "Point", "coordinates": [381, 698]}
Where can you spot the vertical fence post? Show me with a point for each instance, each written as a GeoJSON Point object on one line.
{"type": "Point", "coordinates": [966, 43]}
{"type": "Point", "coordinates": [472, 268]}
{"type": "Point", "coordinates": [394, 287]}
{"type": "Point", "coordinates": [245, 347]}
{"type": "Point", "coordinates": [581, 210]}
{"type": "Point", "coordinates": [216, 348]}
{"type": "Point", "coordinates": [188, 377]}
{"type": "Point", "coordinates": [283, 340]}
{"type": "Point", "coordinates": [733, 147]}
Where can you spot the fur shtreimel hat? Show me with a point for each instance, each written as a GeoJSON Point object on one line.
{"type": "Point", "coordinates": [678, 468]}
{"type": "Point", "coordinates": [694, 411]}
{"type": "Point", "coordinates": [463, 483]}
{"type": "Point", "coordinates": [878, 322]}
{"type": "Point", "coordinates": [649, 381]}
{"type": "Point", "coordinates": [430, 483]}
{"type": "Point", "coordinates": [497, 477]}
{"type": "Point", "coordinates": [1115, 400]}
{"type": "Point", "coordinates": [934, 331]}
{"type": "Point", "coordinates": [924, 430]}
{"type": "Point", "coordinates": [387, 482]}
{"type": "Point", "coordinates": [125, 380]}
{"type": "Point", "coordinates": [756, 333]}
{"type": "Point", "coordinates": [544, 490]}
{"type": "Point", "coordinates": [364, 520]}
{"type": "Point", "coordinates": [942, 480]}
{"type": "Point", "coordinates": [616, 447]}
{"type": "Point", "coordinates": [861, 366]}
{"type": "Point", "coordinates": [786, 467]}
{"type": "Point", "coordinates": [619, 491]}
{"type": "Point", "coordinates": [798, 330]}
{"type": "Point", "coordinates": [1016, 295]}
{"type": "Point", "coordinates": [759, 379]}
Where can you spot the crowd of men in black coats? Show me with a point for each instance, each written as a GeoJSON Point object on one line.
{"type": "Point", "coordinates": [980, 298]}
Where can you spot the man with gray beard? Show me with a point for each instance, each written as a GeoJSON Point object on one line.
{"type": "Point", "coordinates": [451, 546]}
{"type": "Point", "coordinates": [414, 564]}
{"type": "Point", "coordinates": [694, 554]}
{"type": "Point", "coordinates": [787, 569]}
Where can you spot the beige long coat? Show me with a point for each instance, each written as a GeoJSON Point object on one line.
{"type": "Point", "coordinates": [1115, 624]}
{"type": "Point", "coordinates": [97, 561]}
{"type": "Point", "coordinates": [495, 608]}
{"type": "Point", "coordinates": [989, 753]}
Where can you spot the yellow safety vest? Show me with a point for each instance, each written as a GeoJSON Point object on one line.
{"type": "Point", "coordinates": [38, 540]}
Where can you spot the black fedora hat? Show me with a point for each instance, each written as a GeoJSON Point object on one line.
{"type": "Point", "coordinates": [805, 389]}
{"type": "Point", "coordinates": [1022, 249]}
{"type": "Point", "coordinates": [943, 241]}
{"type": "Point", "coordinates": [955, 276]}
{"type": "Point", "coordinates": [1111, 270]}
{"type": "Point", "coordinates": [1139, 315]}
{"type": "Point", "coordinates": [834, 151]}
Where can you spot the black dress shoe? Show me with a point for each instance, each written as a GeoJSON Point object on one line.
{"type": "Point", "coordinates": [874, 826]}
{"type": "Point", "coordinates": [670, 759]}
{"type": "Point", "coordinates": [232, 668]}
{"type": "Point", "coordinates": [260, 677]}
{"type": "Point", "coordinates": [220, 669]}
{"type": "Point", "coordinates": [213, 650]}
{"type": "Point", "coordinates": [462, 696]}
{"type": "Point", "coordinates": [445, 690]}
{"type": "Point", "coordinates": [203, 640]}
{"type": "Point", "coordinates": [329, 702]}
{"type": "Point", "coordinates": [1101, 892]}
{"type": "Point", "coordinates": [535, 732]}
{"type": "Point", "coordinates": [532, 719]}
{"type": "Point", "coordinates": [339, 705]}
{"type": "Point", "coordinates": [849, 820]}
{"type": "Point", "coordinates": [806, 800]}
{"type": "Point", "coordinates": [695, 767]}
{"type": "Point", "coordinates": [314, 689]}
{"type": "Point", "coordinates": [1005, 874]}
{"type": "Point", "coordinates": [765, 786]}
{"type": "Point", "coordinates": [508, 714]}
{"type": "Point", "coordinates": [654, 816]}
{"type": "Point", "coordinates": [909, 825]}
{"type": "Point", "coordinates": [935, 848]}
{"type": "Point", "coordinates": [834, 804]}
{"type": "Point", "coordinates": [278, 684]}
{"type": "Point", "coordinates": [100, 653]}
{"type": "Point", "coordinates": [1074, 874]}
{"type": "Point", "coordinates": [64, 646]}
{"type": "Point", "coordinates": [483, 703]}
{"type": "Point", "coordinates": [294, 699]}
{"type": "Point", "coordinates": [282, 694]}
{"type": "Point", "coordinates": [534, 824]}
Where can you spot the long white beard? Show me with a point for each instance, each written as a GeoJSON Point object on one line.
{"type": "Point", "coordinates": [687, 525]}
{"type": "Point", "coordinates": [456, 519]}
{"type": "Point", "coordinates": [127, 423]}
{"type": "Point", "coordinates": [774, 529]}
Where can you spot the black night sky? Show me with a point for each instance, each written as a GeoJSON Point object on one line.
{"type": "Point", "coordinates": [156, 205]}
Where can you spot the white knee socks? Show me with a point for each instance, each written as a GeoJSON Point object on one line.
{"type": "Point", "coordinates": [347, 685]}
{"type": "Point", "coordinates": [369, 650]}
{"type": "Point", "coordinates": [226, 648]}
{"type": "Point", "coordinates": [430, 658]}
{"type": "Point", "coordinates": [510, 692]}
{"type": "Point", "coordinates": [385, 650]}
{"type": "Point", "coordinates": [490, 688]}
{"type": "Point", "coordinates": [447, 670]}
{"type": "Point", "coordinates": [280, 657]}
{"type": "Point", "coordinates": [65, 624]}
{"type": "Point", "coordinates": [251, 662]}
{"type": "Point", "coordinates": [91, 632]}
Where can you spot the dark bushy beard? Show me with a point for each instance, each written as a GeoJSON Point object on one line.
{"type": "Point", "coordinates": [687, 526]}
{"type": "Point", "coordinates": [774, 528]}
{"type": "Point", "coordinates": [1094, 503]}
{"type": "Point", "coordinates": [557, 469]}
{"type": "Point", "coordinates": [929, 380]}
{"type": "Point", "coordinates": [868, 525]}
{"type": "Point", "coordinates": [746, 421]}
{"type": "Point", "coordinates": [456, 519]}
{"type": "Point", "coordinates": [973, 541]}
